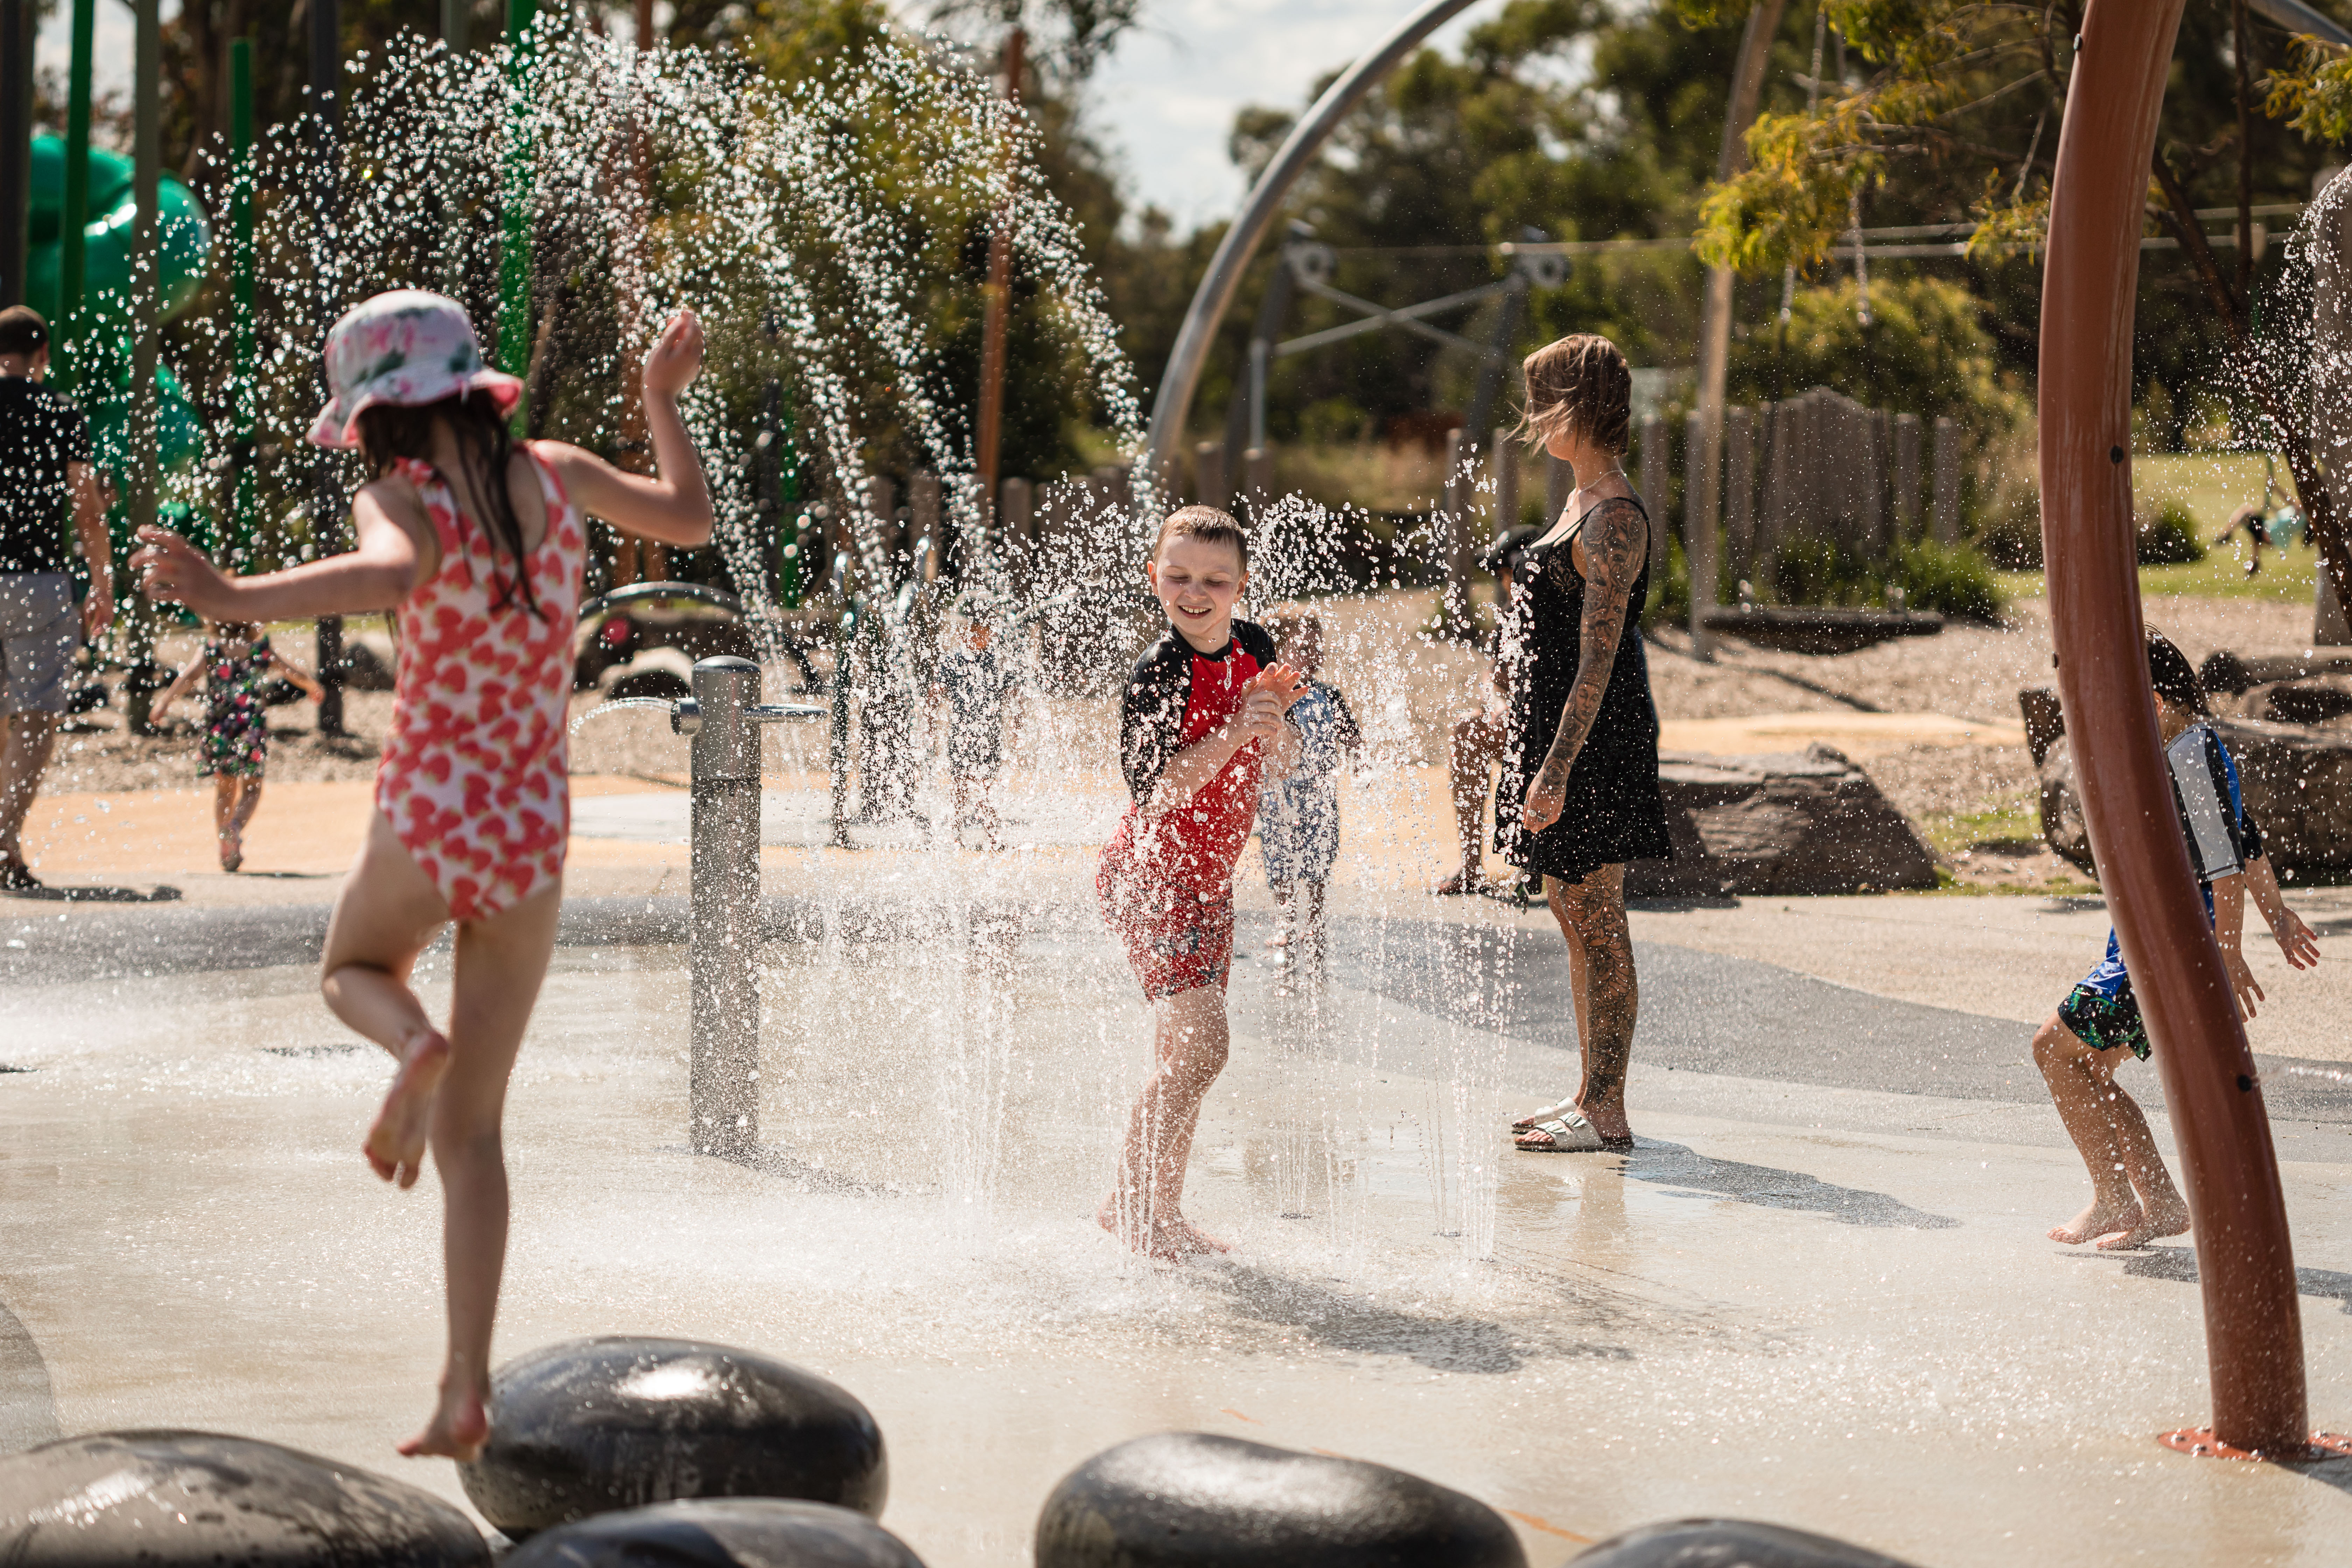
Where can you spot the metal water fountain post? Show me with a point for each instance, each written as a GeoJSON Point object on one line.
{"type": "Point", "coordinates": [723, 717]}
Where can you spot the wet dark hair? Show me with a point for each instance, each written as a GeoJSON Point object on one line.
{"type": "Point", "coordinates": [1207, 525]}
{"type": "Point", "coordinates": [390, 431]}
{"type": "Point", "coordinates": [2175, 679]}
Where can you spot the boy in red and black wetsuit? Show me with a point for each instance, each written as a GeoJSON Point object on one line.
{"type": "Point", "coordinates": [1201, 729]}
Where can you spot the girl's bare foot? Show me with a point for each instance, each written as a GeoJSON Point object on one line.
{"type": "Point", "coordinates": [395, 1145]}
{"type": "Point", "coordinates": [459, 1428]}
{"type": "Point", "coordinates": [232, 850]}
{"type": "Point", "coordinates": [2104, 1217]}
{"type": "Point", "coordinates": [1457, 884]}
{"type": "Point", "coordinates": [2164, 1219]}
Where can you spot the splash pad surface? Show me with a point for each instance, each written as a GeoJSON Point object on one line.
{"type": "Point", "coordinates": [1804, 1299]}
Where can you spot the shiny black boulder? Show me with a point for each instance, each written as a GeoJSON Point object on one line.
{"type": "Point", "coordinates": [720, 1533]}
{"type": "Point", "coordinates": [173, 1498]}
{"type": "Point", "coordinates": [595, 1425]}
{"type": "Point", "coordinates": [1727, 1544]}
{"type": "Point", "coordinates": [1187, 1499]}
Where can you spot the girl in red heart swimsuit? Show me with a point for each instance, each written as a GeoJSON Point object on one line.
{"type": "Point", "coordinates": [475, 546]}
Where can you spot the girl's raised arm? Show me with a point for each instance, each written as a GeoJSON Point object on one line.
{"type": "Point", "coordinates": [673, 504]}
{"type": "Point", "coordinates": [389, 562]}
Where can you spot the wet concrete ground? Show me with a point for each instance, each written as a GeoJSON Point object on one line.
{"type": "Point", "coordinates": [1817, 1292]}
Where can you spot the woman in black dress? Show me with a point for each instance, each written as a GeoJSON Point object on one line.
{"type": "Point", "coordinates": [1578, 795]}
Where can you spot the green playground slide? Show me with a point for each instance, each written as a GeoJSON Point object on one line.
{"type": "Point", "coordinates": [184, 244]}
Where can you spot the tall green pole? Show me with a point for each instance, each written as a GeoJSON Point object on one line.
{"type": "Point", "coordinates": [245, 366]}
{"type": "Point", "coordinates": [16, 146]}
{"type": "Point", "coordinates": [326, 174]}
{"type": "Point", "coordinates": [514, 233]}
{"type": "Point", "coordinates": [72, 252]}
{"type": "Point", "coordinates": [141, 455]}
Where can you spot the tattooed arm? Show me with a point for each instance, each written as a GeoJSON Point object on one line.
{"type": "Point", "coordinates": [1616, 540]}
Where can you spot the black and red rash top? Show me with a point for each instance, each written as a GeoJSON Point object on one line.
{"type": "Point", "coordinates": [1176, 696]}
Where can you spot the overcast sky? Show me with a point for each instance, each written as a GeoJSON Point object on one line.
{"type": "Point", "coordinates": [1161, 105]}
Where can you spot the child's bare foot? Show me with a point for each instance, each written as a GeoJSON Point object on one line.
{"type": "Point", "coordinates": [2104, 1217]}
{"type": "Point", "coordinates": [395, 1145]}
{"type": "Point", "coordinates": [1186, 1239]}
{"type": "Point", "coordinates": [232, 850]}
{"type": "Point", "coordinates": [2164, 1219]}
{"type": "Point", "coordinates": [459, 1427]}
{"type": "Point", "coordinates": [1281, 937]}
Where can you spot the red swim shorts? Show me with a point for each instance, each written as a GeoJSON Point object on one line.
{"type": "Point", "coordinates": [1177, 938]}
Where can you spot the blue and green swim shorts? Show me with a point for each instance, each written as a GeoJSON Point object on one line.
{"type": "Point", "coordinates": [2104, 1022]}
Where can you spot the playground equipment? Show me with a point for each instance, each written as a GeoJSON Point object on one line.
{"type": "Point", "coordinates": [102, 333]}
{"type": "Point", "coordinates": [2253, 1329]}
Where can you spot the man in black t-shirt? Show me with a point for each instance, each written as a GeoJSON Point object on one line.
{"type": "Point", "coordinates": [45, 469]}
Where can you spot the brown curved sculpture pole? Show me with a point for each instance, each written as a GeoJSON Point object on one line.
{"type": "Point", "coordinates": [2254, 1333]}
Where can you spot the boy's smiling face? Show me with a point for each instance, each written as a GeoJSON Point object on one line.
{"type": "Point", "coordinates": [1198, 583]}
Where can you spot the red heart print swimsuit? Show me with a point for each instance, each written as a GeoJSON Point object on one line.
{"type": "Point", "coordinates": [474, 776]}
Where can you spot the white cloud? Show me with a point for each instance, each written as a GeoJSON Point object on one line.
{"type": "Point", "coordinates": [1164, 104]}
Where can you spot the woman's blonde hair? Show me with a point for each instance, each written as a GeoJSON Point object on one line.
{"type": "Point", "coordinates": [1578, 386]}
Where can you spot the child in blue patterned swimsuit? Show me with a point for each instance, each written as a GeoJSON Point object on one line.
{"type": "Point", "coordinates": [2133, 1200]}
{"type": "Point", "coordinates": [1298, 815]}
{"type": "Point", "coordinates": [236, 666]}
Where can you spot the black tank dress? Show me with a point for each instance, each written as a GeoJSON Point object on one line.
{"type": "Point", "coordinates": [1613, 812]}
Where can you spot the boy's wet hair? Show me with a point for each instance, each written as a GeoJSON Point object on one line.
{"type": "Point", "coordinates": [1578, 386]}
{"type": "Point", "coordinates": [236, 631]}
{"type": "Point", "coordinates": [22, 331]}
{"type": "Point", "coordinates": [2175, 679]}
{"type": "Point", "coordinates": [1205, 524]}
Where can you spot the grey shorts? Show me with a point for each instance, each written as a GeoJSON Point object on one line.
{"type": "Point", "coordinates": [39, 630]}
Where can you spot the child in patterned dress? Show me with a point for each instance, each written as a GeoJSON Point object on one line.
{"type": "Point", "coordinates": [477, 544]}
{"type": "Point", "coordinates": [234, 665]}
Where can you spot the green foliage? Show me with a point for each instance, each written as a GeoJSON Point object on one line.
{"type": "Point", "coordinates": [2168, 538]}
{"type": "Point", "coordinates": [2314, 94]}
{"type": "Point", "coordinates": [1926, 352]}
{"type": "Point", "coordinates": [1670, 594]}
{"type": "Point", "coordinates": [1953, 580]}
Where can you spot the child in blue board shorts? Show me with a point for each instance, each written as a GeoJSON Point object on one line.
{"type": "Point", "coordinates": [1298, 815]}
{"type": "Point", "coordinates": [2133, 1200]}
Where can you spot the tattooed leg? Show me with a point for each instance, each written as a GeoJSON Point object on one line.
{"type": "Point", "coordinates": [1591, 915]}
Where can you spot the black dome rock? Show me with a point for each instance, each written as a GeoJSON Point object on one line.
{"type": "Point", "coordinates": [1727, 1544]}
{"type": "Point", "coordinates": [1187, 1499]}
{"type": "Point", "coordinates": [720, 1533]}
{"type": "Point", "coordinates": [167, 1498]}
{"type": "Point", "coordinates": [596, 1425]}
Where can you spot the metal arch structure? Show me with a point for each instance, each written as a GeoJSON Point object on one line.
{"type": "Point", "coordinates": [2297, 17]}
{"type": "Point", "coordinates": [1173, 404]}
{"type": "Point", "coordinates": [2253, 1332]}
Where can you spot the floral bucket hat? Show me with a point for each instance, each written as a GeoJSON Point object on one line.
{"type": "Point", "coordinates": [407, 348]}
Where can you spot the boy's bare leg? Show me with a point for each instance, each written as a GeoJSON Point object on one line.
{"type": "Point", "coordinates": [26, 742]}
{"type": "Point", "coordinates": [500, 963]}
{"type": "Point", "coordinates": [1591, 915]}
{"type": "Point", "coordinates": [2133, 1200]}
{"type": "Point", "coordinates": [386, 913]}
{"type": "Point", "coordinates": [1189, 1041]}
